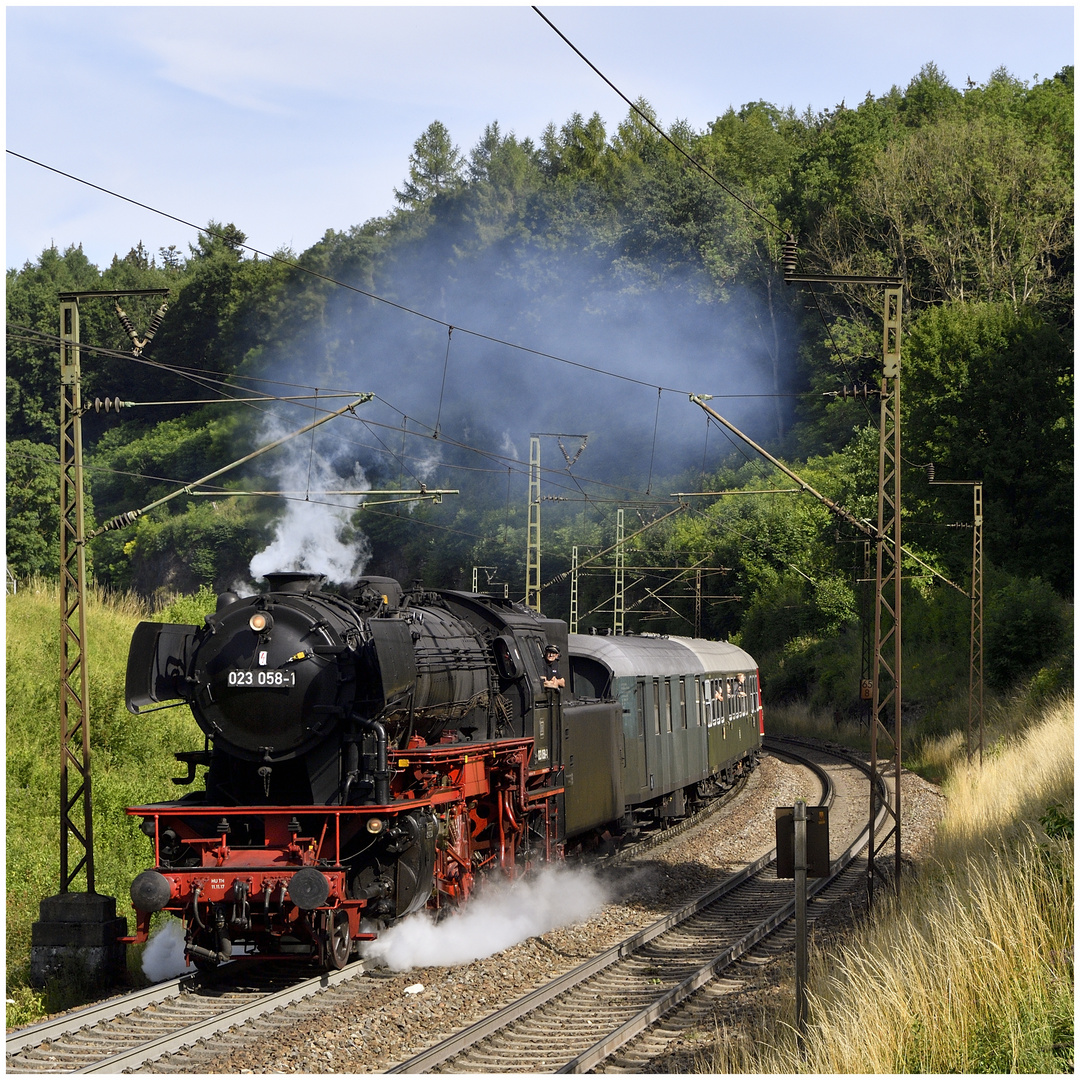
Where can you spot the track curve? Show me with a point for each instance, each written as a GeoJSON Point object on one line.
{"type": "Point", "coordinates": [576, 1022]}
{"type": "Point", "coordinates": [254, 1025]}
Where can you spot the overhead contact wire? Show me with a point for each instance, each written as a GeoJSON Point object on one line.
{"type": "Point", "coordinates": [660, 131]}
{"type": "Point", "coordinates": [292, 264]}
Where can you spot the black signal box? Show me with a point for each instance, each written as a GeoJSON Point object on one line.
{"type": "Point", "coordinates": [817, 841]}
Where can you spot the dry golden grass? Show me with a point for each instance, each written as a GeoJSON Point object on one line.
{"type": "Point", "coordinates": [937, 756]}
{"type": "Point", "coordinates": [1022, 774]}
{"type": "Point", "coordinates": [126, 603]}
{"type": "Point", "coordinates": [971, 969]}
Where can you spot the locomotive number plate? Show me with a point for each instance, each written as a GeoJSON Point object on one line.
{"type": "Point", "coordinates": [262, 678]}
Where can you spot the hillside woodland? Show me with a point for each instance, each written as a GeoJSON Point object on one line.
{"type": "Point", "coordinates": [574, 289]}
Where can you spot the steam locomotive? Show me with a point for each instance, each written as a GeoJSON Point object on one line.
{"type": "Point", "coordinates": [373, 751]}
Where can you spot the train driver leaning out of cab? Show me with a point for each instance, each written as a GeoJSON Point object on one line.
{"type": "Point", "coordinates": [552, 679]}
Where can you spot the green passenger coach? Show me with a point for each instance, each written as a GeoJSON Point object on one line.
{"type": "Point", "coordinates": [692, 719]}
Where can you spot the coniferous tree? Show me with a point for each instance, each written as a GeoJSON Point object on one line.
{"type": "Point", "coordinates": [435, 165]}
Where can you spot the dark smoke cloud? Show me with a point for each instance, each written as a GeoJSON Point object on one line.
{"type": "Point", "coordinates": [661, 332]}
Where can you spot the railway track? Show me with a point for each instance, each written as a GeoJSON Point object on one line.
{"type": "Point", "coordinates": [125, 1033]}
{"type": "Point", "coordinates": [578, 1021]}
{"type": "Point", "coordinates": [188, 1016]}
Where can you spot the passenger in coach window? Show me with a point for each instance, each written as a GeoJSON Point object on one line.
{"type": "Point", "coordinates": [552, 679]}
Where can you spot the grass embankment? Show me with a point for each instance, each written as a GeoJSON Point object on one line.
{"type": "Point", "coordinates": [131, 763]}
{"type": "Point", "coordinates": [971, 970]}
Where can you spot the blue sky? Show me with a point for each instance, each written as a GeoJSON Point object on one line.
{"type": "Point", "coordinates": [288, 121]}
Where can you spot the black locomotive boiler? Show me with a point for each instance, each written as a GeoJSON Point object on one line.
{"type": "Point", "coordinates": [373, 751]}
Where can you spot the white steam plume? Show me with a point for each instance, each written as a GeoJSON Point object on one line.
{"type": "Point", "coordinates": [163, 957]}
{"type": "Point", "coordinates": [509, 448]}
{"type": "Point", "coordinates": [425, 466]}
{"type": "Point", "coordinates": [503, 914]}
{"type": "Point", "coordinates": [314, 535]}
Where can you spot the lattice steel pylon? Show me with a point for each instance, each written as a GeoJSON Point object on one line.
{"type": "Point", "coordinates": [74, 680]}
{"type": "Point", "coordinates": [866, 623]}
{"type": "Point", "coordinates": [619, 608]}
{"type": "Point", "coordinates": [532, 565]}
{"type": "Point", "coordinates": [886, 671]}
{"type": "Point", "coordinates": [574, 589]}
{"type": "Point", "coordinates": [77, 838]}
{"type": "Point", "coordinates": [887, 604]}
{"type": "Point", "coordinates": [975, 671]}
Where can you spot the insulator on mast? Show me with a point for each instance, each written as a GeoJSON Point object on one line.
{"type": "Point", "coordinates": [155, 323]}
{"type": "Point", "coordinates": [118, 522]}
{"type": "Point", "coordinates": [855, 391]}
{"type": "Point", "coordinates": [127, 324]}
{"type": "Point", "coordinates": [789, 254]}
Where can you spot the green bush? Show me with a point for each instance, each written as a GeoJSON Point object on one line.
{"type": "Point", "coordinates": [1024, 627]}
{"type": "Point", "coordinates": [189, 609]}
{"type": "Point", "coordinates": [791, 608]}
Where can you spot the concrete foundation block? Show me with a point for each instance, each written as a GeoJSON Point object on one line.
{"type": "Point", "coordinates": [77, 939]}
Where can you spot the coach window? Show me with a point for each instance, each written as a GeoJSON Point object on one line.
{"type": "Point", "coordinates": [656, 706]}
{"type": "Point", "coordinates": [682, 703]}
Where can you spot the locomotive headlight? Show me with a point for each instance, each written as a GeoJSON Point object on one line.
{"type": "Point", "coordinates": [260, 621]}
{"type": "Point", "coordinates": [375, 825]}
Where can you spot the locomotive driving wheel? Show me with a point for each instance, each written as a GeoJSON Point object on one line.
{"type": "Point", "coordinates": [336, 938]}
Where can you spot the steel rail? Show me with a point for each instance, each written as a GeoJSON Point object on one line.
{"type": "Point", "coordinates": [455, 1044]}
{"type": "Point", "coordinates": [271, 1003]}
{"type": "Point", "coordinates": [104, 1017]}
{"type": "Point", "coordinates": [47, 1030]}
{"type": "Point", "coordinates": [644, 1019]}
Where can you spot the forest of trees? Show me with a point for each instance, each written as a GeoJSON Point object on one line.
{"type": "Point", "coordinates": [612, 253]}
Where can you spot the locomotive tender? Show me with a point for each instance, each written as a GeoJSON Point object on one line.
{"type": "Point", "coordinates": [374, 751]}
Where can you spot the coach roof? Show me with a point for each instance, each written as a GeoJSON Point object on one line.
{"type": "Point", "coordinates": [631, 655]}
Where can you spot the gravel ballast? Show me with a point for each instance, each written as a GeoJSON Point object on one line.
{"type": "Point", "coordinates": [393, 1014]}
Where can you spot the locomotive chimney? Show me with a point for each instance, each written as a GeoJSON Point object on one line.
{"type": "Point", "coordinates": [294, 581]}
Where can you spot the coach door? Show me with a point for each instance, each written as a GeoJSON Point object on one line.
{"type": "Point", "coordinates": [632, 700]}
{"type": "Point", "coordinates": [662, 766]}
{"type": "Point", "coordinates": [714, 703]}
